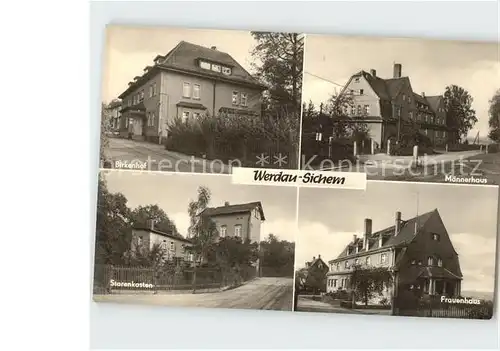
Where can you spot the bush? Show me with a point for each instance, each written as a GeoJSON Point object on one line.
{"type": "Point", "coordinates": [493, 148]}
{"type": "Point", "coordinates": [235, 137]}
{"type": "Point", "coordinates": [339, 295]}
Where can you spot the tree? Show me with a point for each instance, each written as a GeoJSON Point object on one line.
{"type": "Point", "coordinates": [105, 129]}
{"type": "Point", "coordinates": [142, 215]}
{"type": "Point", "coordinates": [494, 117]}
{"type": "Point", "coordinates": [279, 64]}
{"type": "Point", "coordinates": [112, 226]}
{"type": "Point", "coordinates": [233, 255]}
{"type": "Point", "coordinates": [460, 115]}
{"type": "Point", "coordinates": [366, 282]}
{"type": "Point", "coordinates": [277, 256]}
{"type": "Point", "coordinates": [202, 230]}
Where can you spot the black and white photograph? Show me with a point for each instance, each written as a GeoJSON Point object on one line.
{"type": "Point", "coordinates": [402, 109]}
{"type": "Point", "coordinates": [194, 240]}
{"type": "Point", "coordinates": [203, 101]}
{"type": "Point", "coordinates": [401, 249]}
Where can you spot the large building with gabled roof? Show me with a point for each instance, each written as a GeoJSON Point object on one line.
{"type": "Point", "coordinates": [386, 105]}
{"type": "Point", "coordinates": [187, 82]}
{"type": "Point", "coordinates": [418, 251]}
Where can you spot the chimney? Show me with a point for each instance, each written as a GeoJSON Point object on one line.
{"type": "Point", "coordinates": [319, 256]}
{"type": "Point", "coordinates": [214, 48]}
{"type": "Point", "coordinates": [354, 237]}
{"type": "Point", "coordinates": [373, 72]}
{"type": "Point", "coordinates": [397, 70]}
{"type": "Point", "coordinates": [397, 223]}
{"type": "Point", "coordinates": [368, 231]}
{"type": "Point", "coordinates": [314, 258]}
{"type": "Point", "coordinates": [380, 240]}
{"type": "Point", "coordinates": [423, 94]}
{"type": "Point", "coordinates": [226, 203]}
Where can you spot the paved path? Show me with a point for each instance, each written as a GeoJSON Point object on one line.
{"type": "Point", "coordinates": [141, 155]}
{"type": "Point", "coordinates": [260, 293]}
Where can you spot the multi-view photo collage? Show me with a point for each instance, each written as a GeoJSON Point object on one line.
{"type": "Point", "coordinates": [298, 172]}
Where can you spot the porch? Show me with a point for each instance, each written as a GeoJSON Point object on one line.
{"type": "Point", "coordinates": [133, 118]}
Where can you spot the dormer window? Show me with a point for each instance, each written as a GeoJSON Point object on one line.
{"type": "Point", "coordinates": [226, 71]}
{"type": "Point", "coordinates": [216, 68]}
{"type": "Point", "coordinates": [205, 65]}
{"type": "Point", "coordinates": [430, 261]}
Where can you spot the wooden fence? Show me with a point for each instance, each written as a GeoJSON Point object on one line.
{"type": "Point", "coordinates": [109, 279]}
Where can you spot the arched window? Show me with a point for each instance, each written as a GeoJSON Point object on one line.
{"type": "Point", "coordinates": [440, 262]}
{"type": "Point", "coordinates": [430, 261]}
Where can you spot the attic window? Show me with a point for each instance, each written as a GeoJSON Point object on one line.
{"type": "Point", "coordinates": [226, 71]}
{"type": "Point", "coordinates": [435, 237]}
{"type": "Point", "coordinates": [205, 65]}
{"type": "Point", "coordinates": [216, 68]}
{"type": "Point", "coordinates": [356, 80]}
{"type": "Point", "coordinates": [360, 91]}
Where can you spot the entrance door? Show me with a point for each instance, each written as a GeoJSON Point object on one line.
{"type": "Point", "coordinates": [137, 127]}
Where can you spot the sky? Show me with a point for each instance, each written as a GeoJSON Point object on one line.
{"type": "Point", "coordinates": [172, 192]}
{"type": "Point", "coordinates": [129, 49]}
{"type": "Point", "coordinates": [431, 65]}
{"type": "Point", "coordinates": [328, 219]}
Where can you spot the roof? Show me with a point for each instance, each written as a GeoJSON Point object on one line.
{"type": "Point", "coordinates": [229, 209]}
{"type": "Point", "coordinates": [184, 57]}
{"type": "Point", "coordinates": [414, 272]}
{"type": "Point", "coordinates": [191, 105]}
{"type": "Point", "coordinates": [434, 101]}
{"type": "Point", "coordinates": [388, 89]}
{"type": "Point", "coordinates": [114, 103]}
{"type": "Point", "coordinates": [167, 235]}
{"type": "Point", "coordinates": [405, 236]}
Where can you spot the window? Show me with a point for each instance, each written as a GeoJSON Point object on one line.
{"type": "Point", "coordinates": [223, 230]}
{"type": "Point", "coordinates": [185, 116]}
{"type": "Point", "coordinates": [139, 240]}
{"type": "Point", "coordinates": [411, 115]}
{"type": "Point", "coordinates": [196, 91]}
{"type": "Point", "coordinates": [353, 110]}
{"type": "Point", "coordinates": [150, 90]}
{"type": "Point", "coordinates": [235, 98]}
{"type": "Point", "coordinates": [419, 263]}
{"type": "Point", "coordinates": [366, 110]}
{"type": "Point", "coordinates": [226, 71]}
{"type": "Point", "coordinates": [338, 266]}
{"type": "Point", "coordinates": [399, 111]}
{"type": "Point", "coordinates": [383, 258]}
{"type": "Point", "coordinates": [334, 283]}
{"type": "Point", "coordinates": [430, 261]}
{"type": "Point", "coordinates": [243, 99]}
{"type": "Point", "coordinates": [368, 261]}
{"type": "Point", "coordinates": [216, 68]}
{"type": "Point", "coordinates": [196, 115]}
{"type": "Point", "coordinates": [356, 80]}
{"type": "Point", "coordinates": [440, 262]}
{"type": "Point", "coordinates": [413, 262]}
{"type": "Point", "coordinates": [404, 97]}
{"type": "Point", "coordinates": [186, 90]}
{"type": "Point", "coordinates": [205, 65]}
{"type": "Point", "coordinates": [141, 98]}
{"type": "Point", "coordinates": [361, 91]}
{"type": "Point", "coordinates": [356, 261]}
{"type": "Point", "coordinates": [346, 264]}
{"type": "Point", "coordinates": [153, 118]}
{"type": "Point", "coordinates": [319, 136]}
{"type": "Point", "coordinates": [359, 110]}
{"type": "Point", "coordinates": [237, 230]}
{"type": "Point", "coordinates": [172, 246]}
{"type": "Point", "coordinates": [435, 237]}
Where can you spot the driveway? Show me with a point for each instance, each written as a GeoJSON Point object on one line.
{"type": "Point", "coordinates": [141, 155]}
{"type": "Point", "coordinates": [260, 293]}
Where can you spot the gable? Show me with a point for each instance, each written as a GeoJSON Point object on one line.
{"type": "Point", "coordinates": [186, 56]}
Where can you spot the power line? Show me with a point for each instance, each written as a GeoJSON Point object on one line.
{"type": "Point", "coordinates": [331, 81]}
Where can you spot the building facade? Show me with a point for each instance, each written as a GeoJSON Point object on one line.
{"type": "Point", "coordinates": [174, 246]}
{"type": "Point", "coordinates": [417, 251]}
{"type": "Point", "coordinates": [386, 106]}
{"type": "Point", "coordinates": [187, 82]}
{"type": "Point", "coordinates": [114, 112]}
{"type": "Point", "coordinates": [313, 275]}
